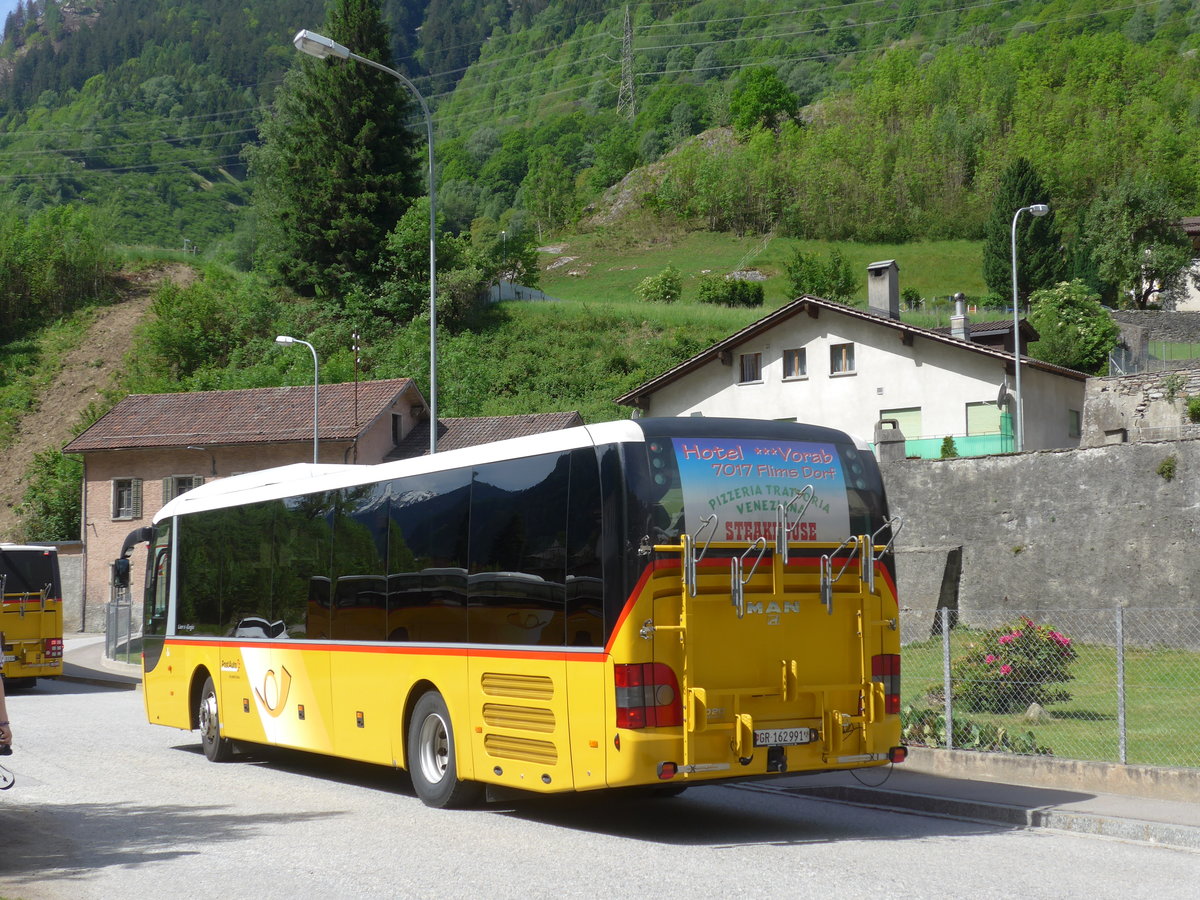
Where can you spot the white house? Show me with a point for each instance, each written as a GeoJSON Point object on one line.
{"type": "Point", "coordinates": [831, 364]}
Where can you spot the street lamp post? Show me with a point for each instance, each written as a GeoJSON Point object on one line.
{"type": "Point", "coordinates": [285, 339]}
{"type": "Point", "coordinates": [322, 47]}
{"type": "Point", "coordinates": [1036, 209]}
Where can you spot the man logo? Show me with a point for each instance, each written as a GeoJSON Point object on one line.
{"type": "Point", "coordinates": [274, 693]}
{"type": "Point", "coordinates": [772, 610]}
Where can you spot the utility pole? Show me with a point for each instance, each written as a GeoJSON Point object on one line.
{"type": "Point", "coordinates": [625, 92]}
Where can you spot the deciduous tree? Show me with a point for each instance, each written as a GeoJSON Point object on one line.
{"type": "Point", "coordinates": [1136, 241]}
{"type": "Point", "coordinates": [1075, 330]}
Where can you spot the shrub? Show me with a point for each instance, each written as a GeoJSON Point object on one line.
{"type": "Point", "coordinates": [1013, 666]}
{"type": "Point", "coordinates": [927, 727]}
{"type": "Point", "coordinates": [949, 450]}
{"type": "Point", "coordinates": [1166, 468]}
{"type": "Point", "coordinates": [665, 287]}
{"type": "Point", "coordinates": [1193, 408]}
{"type": "Point", "coordinates": [729, 291]}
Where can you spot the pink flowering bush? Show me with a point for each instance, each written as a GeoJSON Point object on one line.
{"type": "Point", "coordinates": [1013, 666]}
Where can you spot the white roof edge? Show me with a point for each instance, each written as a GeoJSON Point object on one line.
{"type": "Point", "coordinates": [305, 478]}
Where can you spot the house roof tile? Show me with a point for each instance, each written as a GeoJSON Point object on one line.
{"type": "Point", "coordinates": [255, 416]}
{"type": "Point", "coordinates": [454, 434]}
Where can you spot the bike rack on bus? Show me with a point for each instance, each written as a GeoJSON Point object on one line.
{"type": "Point", "coordinates": [737, 583]}
{"type": "Point", "coordinates": [782, 528]}
{"type": "Point", "coordinates": [827, 577]}
{"type": "Point", "coordinates": [690, 558]}
{"type": "Point", "coordinates": [895, 523]}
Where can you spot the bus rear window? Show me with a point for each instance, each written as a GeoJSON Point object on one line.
{"type": "Point", "coordinates": [743, 481]}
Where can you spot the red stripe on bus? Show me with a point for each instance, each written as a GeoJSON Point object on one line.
{"type": "Point", "coordinates": [497, 652]}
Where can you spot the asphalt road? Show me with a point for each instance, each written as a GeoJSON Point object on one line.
{"type": "Point", "coordinates": [107, 806]}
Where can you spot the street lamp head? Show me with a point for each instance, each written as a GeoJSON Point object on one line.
{"type": "Point", "coordinates": [284, 339]}
{"type": "Point", "coordinates": [1039, 209]}
{"type": "Point", "coordinates": [318, 45]}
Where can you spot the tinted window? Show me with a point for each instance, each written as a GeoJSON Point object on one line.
{"type": "Point", "coordinates": [30, 571]}
{"type": "Point", "coordinates": [427, 557]}
{"type": "Point", "coordinates": [225, 569]}
{"type": "Point", "coordinates": [517, 564]}
{"type": "Point", "coordinates": [585, 571]}
{"type": "Point", "coordinates": [360, 564]}
{"type": "Point", "coordinates": [303, 577]}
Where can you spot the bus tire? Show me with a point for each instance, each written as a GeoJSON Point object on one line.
{"type": "Point", "coordinates": [431, 758]}
{"type": "Point", "coordinates": [216, 748]}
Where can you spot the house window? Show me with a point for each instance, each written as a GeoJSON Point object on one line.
{"type": "Point", "coordinates": [127, 498]}
{"type": "Point", "coordinates": [795, 364]}
{"type": "Point", "coordinates": [397, 429]}
{"type": "Point", "coordinates": [1074, 423]}
{"type": "Point", "coordinates": [750, 369]}
{"type": "Point", "coordinates": [983, 418]}
{"type": "Point", "coordinates": [174, 485]}
{"type": "Point", "coordinates": [908, 418]}
{"type": "Point", "coordinates": [841, 359]}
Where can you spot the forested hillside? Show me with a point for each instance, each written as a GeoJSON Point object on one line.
{"type": "Point", "coordinates": [872, 120]}
{"type": "Point", "coordinates": [195, 123]}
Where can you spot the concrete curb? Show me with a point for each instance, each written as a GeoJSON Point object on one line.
{"type": "Point", "coordinates": [1146, 782]}
{"type": "Point", "coordinates": [1165, 833]}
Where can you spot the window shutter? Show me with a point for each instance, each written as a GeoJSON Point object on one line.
{"type": "Point", "coordinates": [135, 490]}
{"type": "Point", "coordinates": [168, 490]}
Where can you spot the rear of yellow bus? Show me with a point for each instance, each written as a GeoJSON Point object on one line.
{"type": "Point", "coordinates": [762, 634]}
{"type": "Point", "coordinates": [31, 620]}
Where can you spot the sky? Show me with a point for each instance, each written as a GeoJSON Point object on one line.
{"type": "Point", "coordinates": [6, 6]}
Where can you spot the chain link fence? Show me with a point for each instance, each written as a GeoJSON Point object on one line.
{"type": "Point", "coordinates": [1115, 685]}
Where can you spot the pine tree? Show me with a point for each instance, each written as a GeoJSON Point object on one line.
{"type": "Point", "coordinates": [338, 165]}
{"type": "Point", "coordinates": [1039, 241]}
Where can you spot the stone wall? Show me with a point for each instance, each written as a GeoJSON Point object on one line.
{"type": "Point", "coordinates": [1161, 325]}
{"type": "Point", "coordinates": [1053, 533]}
{"type": "Point", "coordinates": [1146, 406]}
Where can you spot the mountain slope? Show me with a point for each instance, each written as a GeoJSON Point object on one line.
{"type": "Point", "coordinates": [91, 368]}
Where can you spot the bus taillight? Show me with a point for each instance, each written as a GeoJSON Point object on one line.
{"type": "Point", "coordinates": [885, 668]}
{"type": "Point", "coordinates": [52, 648]}
{"type": "Point", "coordinates": [647, 696]}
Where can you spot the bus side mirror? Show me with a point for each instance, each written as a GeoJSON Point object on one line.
{"type": "Point", "coordinates": [121, 572]}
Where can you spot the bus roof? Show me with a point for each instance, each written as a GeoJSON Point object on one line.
{"type": "Point", "coordinates": [306, 478]}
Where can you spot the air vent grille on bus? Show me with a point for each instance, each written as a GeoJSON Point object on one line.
{"type": "Point", "coordinates": [524, 687]}
{"type": "Point", "coordinates": [524, 718]}
{"type": "Point", "coordinates": [521, 749]}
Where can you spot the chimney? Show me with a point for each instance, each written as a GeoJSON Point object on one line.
{"type": "Point", "coordinates": [959, 327]}
{"type": "Point", "coordinates": [883, 289]}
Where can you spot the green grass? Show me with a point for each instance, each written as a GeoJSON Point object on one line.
{"type": "Point", "coordinates": [1162, 717]}
{"type": "Point", "coordinates": [608, 267]}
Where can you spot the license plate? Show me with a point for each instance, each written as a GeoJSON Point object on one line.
{"type": "Point", "coordinates": [784, 737]}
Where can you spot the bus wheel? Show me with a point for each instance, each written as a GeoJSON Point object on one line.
{"type": "Point", "coordinates": [431, 760]}
{"type": "Point", "coordinates": [216, 748]}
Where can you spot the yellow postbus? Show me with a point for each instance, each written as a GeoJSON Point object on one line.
{"type": "Point", "coordinates": [31, 615]}
{"type": "Point", "coordinates": [653, 602]}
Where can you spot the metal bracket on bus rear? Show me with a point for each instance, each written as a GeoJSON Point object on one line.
{"type": "Point", "coordinates": [690, 557]}
{"type": "Point", "coordinates": [895, 523]}
{"type": "Point", "coordinates": [828, 578]}
{"type": "Point", "coordinates": [782, 528]}
{"type": "Point", "coordinates": [738, 582]}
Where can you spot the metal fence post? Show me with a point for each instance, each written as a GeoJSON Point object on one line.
{"type": "Point", "coordinates": [946, 684]}
{"type": "Point", "coordinates": [1121, 730]}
